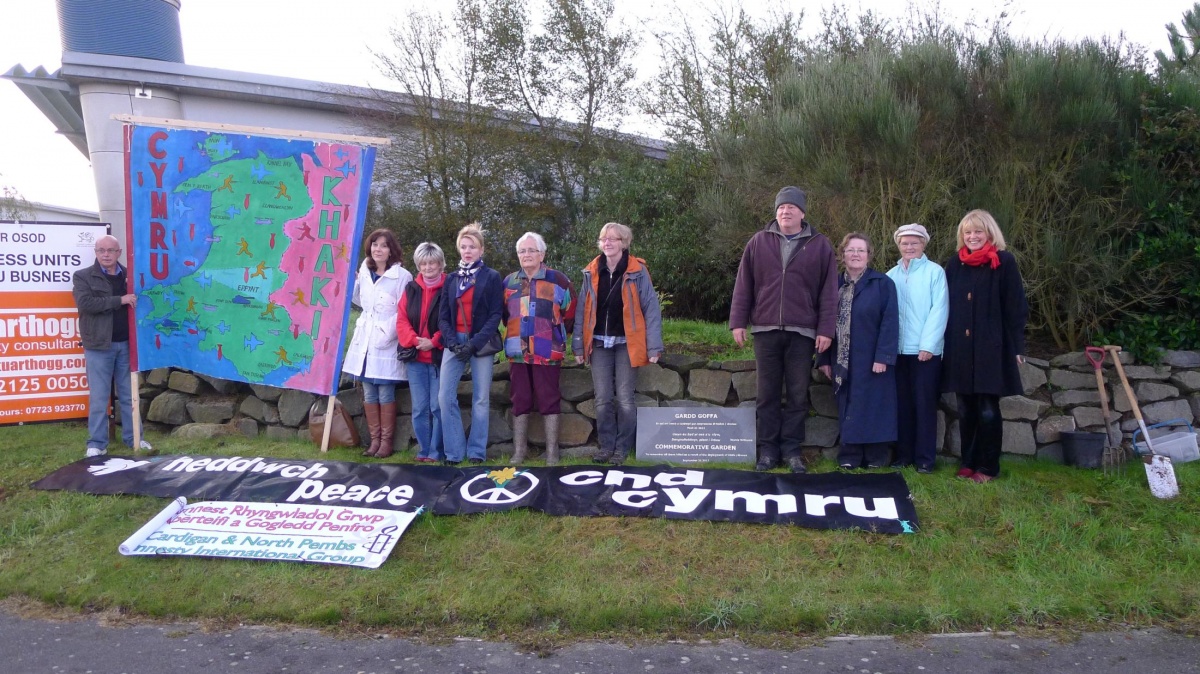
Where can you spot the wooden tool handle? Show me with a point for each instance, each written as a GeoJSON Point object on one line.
{"type": "Point", "coordinates": [1116, 350]}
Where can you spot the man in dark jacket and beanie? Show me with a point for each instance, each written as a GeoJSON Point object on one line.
{"type": "Point", "coordinates": [99, 292]}
{"type": "Point", "coordinates": [786, 293]}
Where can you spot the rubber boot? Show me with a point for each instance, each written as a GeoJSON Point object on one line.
{"type": "Point", "coordinates": [520, 439]}
{"type": "Point", "coordinates": [551, 439]}
{"type": "Point", "coordinates": [387, 430]}
{"type": "Point", "coordinates": [371, 411]}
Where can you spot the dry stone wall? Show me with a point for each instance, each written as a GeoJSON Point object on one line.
{"type": "Point", "coordinates": [1059, 395]}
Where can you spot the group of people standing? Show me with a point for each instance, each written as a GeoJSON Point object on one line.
{"type": "Point", "coordinates": [430, 329]}
{"type": "Point", "coordinates": [889, 343]}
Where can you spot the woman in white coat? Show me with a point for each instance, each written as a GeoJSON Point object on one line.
{"type": "Point", "coordinates": [371, 357]}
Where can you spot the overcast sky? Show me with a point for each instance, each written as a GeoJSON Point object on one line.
{"type": "Point", "coordinates": [45, 167]}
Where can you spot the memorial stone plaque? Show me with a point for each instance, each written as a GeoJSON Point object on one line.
{"type": "Point", "coordinates": [696, 434]}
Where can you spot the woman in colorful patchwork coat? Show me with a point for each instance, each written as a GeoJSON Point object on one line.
{"type": "Point", "coordinates": [539, 313]}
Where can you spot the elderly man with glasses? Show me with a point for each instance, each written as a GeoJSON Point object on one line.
{"type": "Point", "coordinates": [100, 294]}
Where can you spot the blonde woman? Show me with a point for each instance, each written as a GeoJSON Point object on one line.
{"type": "Point", "coordinates": [985, 339]}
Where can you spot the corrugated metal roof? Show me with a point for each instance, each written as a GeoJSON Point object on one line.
{"type": "Point", "coordinates": [56, 98]}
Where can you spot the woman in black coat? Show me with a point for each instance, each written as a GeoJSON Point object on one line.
{"type": "Point", "coordinates": [985, 339]}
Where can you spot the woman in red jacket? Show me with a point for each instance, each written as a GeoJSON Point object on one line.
{"type": "Point", "coordinates": [421, 344]}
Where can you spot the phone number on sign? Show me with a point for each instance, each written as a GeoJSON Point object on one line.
{"type": "Point", "coordinates": [17, 385]}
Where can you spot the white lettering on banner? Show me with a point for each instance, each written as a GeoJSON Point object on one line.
{"type": "Point", "coordinates": [785, 504]}
{"type": "Point", "coordinates": [691, 478]}
{"type": "Point", "coordinates": [616, 477]}
{"type": "Point", "coordinates": [310, 489]}
{"type": "Point", "coordinates": [634, 499]}
{"type": "Point", "coordinates": [582, 479]}
{"type": "Point", "coordinates": [236, 464]}
{"type": "Point", "coordinates": [685, 504]}
{"type": "Point", "coordinates": [885, 508]}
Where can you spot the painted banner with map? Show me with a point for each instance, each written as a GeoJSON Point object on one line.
{"type": "Point", "coordinates": [241, 251]}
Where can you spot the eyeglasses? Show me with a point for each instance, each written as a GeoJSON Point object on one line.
{"type": "Point", "coordinates": [108, 250]}
{"type": "Point", "coordinates": [608, 239]}
{"type": "Point", "coordinates": [528, 251]}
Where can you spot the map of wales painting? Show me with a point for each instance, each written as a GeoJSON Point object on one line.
{"type": "Point", "coordinates": [241, 249]}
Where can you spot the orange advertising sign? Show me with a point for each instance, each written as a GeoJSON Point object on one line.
{"type": "Point", "coordinates": [42, 372]}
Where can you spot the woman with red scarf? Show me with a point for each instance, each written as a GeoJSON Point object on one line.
{"type": "Point", "coordinates": [985, 338]}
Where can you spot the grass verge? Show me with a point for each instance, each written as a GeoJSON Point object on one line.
{"type": "Point", "coordinates": [1044, 546]}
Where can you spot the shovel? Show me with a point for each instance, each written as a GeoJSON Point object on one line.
{"type": "Point", "coordinates": [1112, 452]}
{"type": "Point", "coordinates": [1159, 470]}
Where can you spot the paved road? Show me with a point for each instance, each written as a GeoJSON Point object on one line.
{"type": "Point", "coordinates": [85, 646]}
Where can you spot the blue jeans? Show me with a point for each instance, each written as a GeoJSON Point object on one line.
{"type": "Point", "coordinates": [614, 377]}
{"type": "Point", "coordinates": [426, 413]}
{"type": "Point", "coordinates": [481, 391]}
{"type": "Point", "coordinates": [103, 368]}
{"type": "Point", "coordinates": [375, 391]}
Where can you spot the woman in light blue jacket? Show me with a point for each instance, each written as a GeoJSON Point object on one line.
{"type": "Point", "coordinates": [924, 308]}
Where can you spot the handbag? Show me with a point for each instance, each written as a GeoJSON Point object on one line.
{"type": "Point", "coordinates": [343, 433]}
{"type": "Point", "coordinates": [406, 354]}
{"type": "Point", "coordinates": [492, 347]}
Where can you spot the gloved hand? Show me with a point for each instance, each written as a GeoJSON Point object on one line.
{"type": "Point", "coordinates": [463, 352]}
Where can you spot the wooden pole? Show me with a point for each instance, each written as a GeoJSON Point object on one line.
{"type": "Point", "coordinates": [329, 410]}
{"type": "Point", "coordinates": [135, 401]}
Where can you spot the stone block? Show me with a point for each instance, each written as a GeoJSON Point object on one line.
{"type": "Point", "coordinates": [259, 410]}
{"type": "Point", "coordinates": [822, 400]}
{"type": "Point", "coordinates": [202, 431]}
{"type": "Point", "coordinates": [158, 377]}
{"type": "Point", "coordinates": [502, 370]}
{"type": "Point", "coordinates": [1073, 359]}
{"type": "Point", "coordinates": [745, 385]}
{"type": "Point", "coordinates": [268, 394]}
{"type": "Point", "coordinates": [1066, 399]}
{"type": "Point", "coordinates": [1181, 359]}
{"type": "Point", "coordinates": [499, 429]}
{"type": "Point", "coordinates": [1194, 403]}
{"type": "Point", "coordinates": [644, 400]}
{"type": "Point", "coordinates": [940, 442]}
{"type": "Point", "coordinates": [1065, 379]}
{"type": "Point", "coordinates": [575, 384]}
{"type": "Point", "coordinates": [211, 411]}
{"type": "Point", "coordinates": [573, 430]}
{"type": "Point", "coordinates": [352, 401]}
{"type": "Point", "coordinates": [654, 379]}
{"type": "Point", "coordinates": [1016, 408]}
{"type": "Point", "coordinates": [294, 406]}
{"type": "Point", "coordinates": [247, 427]}
{"type": "Point", "coordinates": [684, 402]}
{"type": "Point", "coordinates": [1018, 438]}
{"type": "Point", "coordinates": [1165, 411]}
{"type": "Point", "coordinates": [1048, 429]}
{"type": "Point", "coordinates": [1032, 377]}
{"type": "Point", "coordinates": [501, 392]}
{"type": "Point", "coordinates": [170, 408]}
{"type": "Point", "coordinates": [821, 432]}
{"type": "Point", "coordinates": [222, 386]}
{"type": "Point", "coordinates": [681, 363]}
{"type": "Point", "coordinates": [1186, 381]}
{"type": "Point", "coordinates": [1152, 392]}
{"type": "Point", "coordinates": [738, 365]}
{"type": "Point", "coordinates": [185, 382]}
{"type": "Point", "coordinates": [953, 439]}
{"type": "Point", "coordinates": [710, 385]}
{"type": "Point", "coordinates": [1157, 373]}
{"type": "Point", "coordinates": [1120, 401]}
{"type": "Point", "coordinates": [1037, 362]}
{"type": "Point", "coordinates": [1087, 417]}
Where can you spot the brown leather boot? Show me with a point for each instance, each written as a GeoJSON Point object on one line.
{"type": "Point", "coordinates": [387, 430]}
{"type": "Point", "coordinates": [551, 439]}
{"type": "Point", "coordinates": [520, 439]}
{"type": "Point", "coordinates": [371, 410]}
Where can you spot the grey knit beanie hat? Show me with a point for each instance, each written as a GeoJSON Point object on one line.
{"type": "Point", "coordinates": [794, 196]}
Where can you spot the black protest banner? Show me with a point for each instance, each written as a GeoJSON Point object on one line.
{"type": "Point", "coordinates": [878, 502]}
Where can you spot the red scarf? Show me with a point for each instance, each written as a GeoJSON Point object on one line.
{"type": "Point", "coordinates": [976, 259]}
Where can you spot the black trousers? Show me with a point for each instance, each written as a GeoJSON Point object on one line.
{"type": "Point", "coordinates": [874, 454]}
{"type": "Point", "coordinates": [917, 392]}
{"type": "Point", "coordinates": [981, 429]}
{"type": "Point", "coordinates": [785, 361]}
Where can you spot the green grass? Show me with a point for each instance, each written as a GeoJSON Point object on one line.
{"type": "Point", "coordinates": [711, 340]}
{"type": "Point", "coordinates": [1043, 546]}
